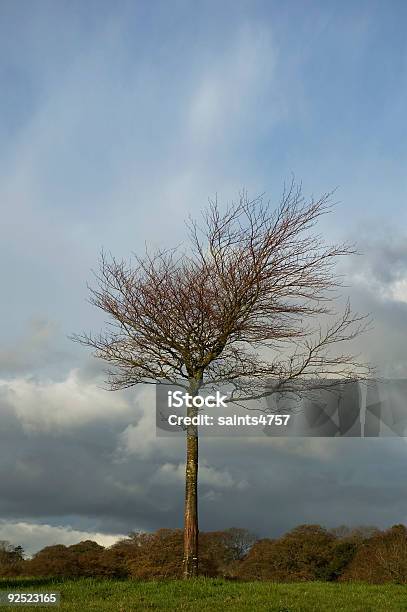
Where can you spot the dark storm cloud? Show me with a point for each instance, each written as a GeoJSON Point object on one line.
{"type": "Point", "coordinates": [108, 476]}
{"type": "Point", "coordinates": [383, 255]}
{"type": "Point", "coordinates": [74, 454]}
{"type": "Point", "coordinates": [331, 482]}
{"type": "Point", "coordinates": [377, 284]}
{"type": "Point", "coordinates": [73, 472]}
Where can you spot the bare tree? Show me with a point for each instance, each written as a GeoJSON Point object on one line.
{"type": "Point", "coordinates": [236, 306]}
{"type": "Point", "coordinates": [238, 542]}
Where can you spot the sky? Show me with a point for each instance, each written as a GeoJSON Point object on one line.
{"type": "Point", "coordinates": [117, 121]}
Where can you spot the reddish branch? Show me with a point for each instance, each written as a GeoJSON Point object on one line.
{"type": "Point", "coordinates": [230, 307]}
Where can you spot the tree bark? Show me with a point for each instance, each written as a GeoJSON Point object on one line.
{"type": "Point", "coordinates": [190, 561]}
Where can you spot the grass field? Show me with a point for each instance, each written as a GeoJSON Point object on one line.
{"type": "Point", "coordinates": [212, 595]}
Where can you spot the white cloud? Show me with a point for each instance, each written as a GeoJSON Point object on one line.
{"type": "Point", "coordinates": [393, 289]}
{"type": "Point", "coordinates": [398, 290]}
{"type": "Point", "coordinates": [33, 536]}
{"type": "Point", "coordinates": [46, 406]}
{"type": "Point", "coordinates": [175, 473]}
{"type": "Point", "coordinates": [140, 439]}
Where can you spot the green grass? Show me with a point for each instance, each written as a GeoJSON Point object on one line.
{"type": "Point", "coordinates": [212, 595]}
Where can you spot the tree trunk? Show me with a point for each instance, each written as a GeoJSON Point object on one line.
{"type": "Point", "coordinates": [190, 561]}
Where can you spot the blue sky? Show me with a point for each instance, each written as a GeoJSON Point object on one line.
{"type": "Point", "coordinates": [117, 120]}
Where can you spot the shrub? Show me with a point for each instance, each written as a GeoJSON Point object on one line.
{"type": "Point", "coordinates": [305, 553]}
{"type": "Point", "coordinates": [381, 558]}
{"type": "Point", "coordinates": [11, 559]}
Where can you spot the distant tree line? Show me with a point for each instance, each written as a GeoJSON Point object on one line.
{"type": "Point", "coordinates": [308, 552]}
